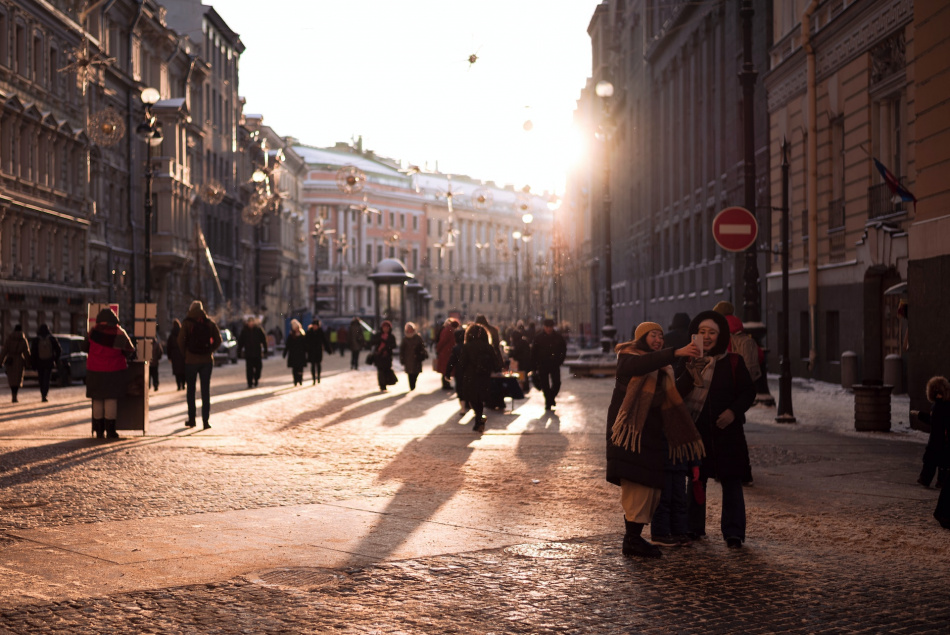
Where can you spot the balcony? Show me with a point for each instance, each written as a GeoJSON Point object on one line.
{"type": "Point", "coordinates": [882, 203]}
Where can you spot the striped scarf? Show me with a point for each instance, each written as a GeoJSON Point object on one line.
{"type": "Point", "coordinates": [627, 431]}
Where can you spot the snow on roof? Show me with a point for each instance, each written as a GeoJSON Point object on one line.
{"type": "Point", "coordinates": [327, 156]}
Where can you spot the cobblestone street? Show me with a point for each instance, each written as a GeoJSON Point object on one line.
{"type": "Point", "coordinates": [339, 508]}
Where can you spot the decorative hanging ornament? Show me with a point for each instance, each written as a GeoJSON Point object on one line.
{"type": "Point", "coordinates": [482, 198]}
{"type": "Point", "coordinates": [211, 192]}
{"type": "Point", "coordinates": [106, 128]}
{"type": "Point", "coordinates": [350, 179]}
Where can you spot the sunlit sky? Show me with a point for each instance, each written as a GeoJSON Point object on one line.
{"type": "Point", "coordinates": [397, 73]}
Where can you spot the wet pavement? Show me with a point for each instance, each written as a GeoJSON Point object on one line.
{"type": "Point", "coordinates": [339, 508]}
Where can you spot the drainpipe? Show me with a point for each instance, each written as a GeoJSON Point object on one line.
{"type": "Point", "coordinates": [131, 137]}
{"type": "Point", "coordinates": [812, 193]}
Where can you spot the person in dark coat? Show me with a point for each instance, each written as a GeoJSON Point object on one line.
{"type": "Point", "coordinates": [45, 355]}
{"type": "Point", "coordinates": [547, 355]}
{"type": "Point", "coordinates": [519, 349]}
{"type": "Point", "coordinates": [317, 342]}
{"type": "Point", "coordinates": [157, 351]}
{"type": "Point", "coordinates": [412, 353]}
{"type": "Point", "coordinates": [14, 357]}
{"type": "Point", "coordinates": [718, 390]}
{"type": "Point", "coordinates": [646, 423]}
{"type": "Point", "coordinates": [252, 344]}
{"type": "Point", "coordinates": [937, 452]}
{"type": "Point", "coordinates": [198, 339]}
{"type": "Point", "coordinates": [107, 371]}
{"type": "Point", "coordinates": [295, 350]}
{"type": "Point", "coordinates": [443, 350]}
{"type": "Point", "coordinates": [383, 344]}
{"type": "Point", "coordinates": [493, 333]}
{"type": "Point", "coordinates": [677, 336]}
{"type": "Point", "coordinates": [477, 361]}
{"type": "Point", "coordinates": [176, 355]}
{"type": "Point", "coordinates": [352, 337]}
{"type": "Point", "coordinates": [452, 368]}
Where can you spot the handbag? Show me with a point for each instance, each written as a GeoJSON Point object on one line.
{"type": "Point", "coordinates": [391, 377]}
{"type": "Point", "coordinates": [423, 353]}
{"type": "Point", "coordinates": [371, 359]}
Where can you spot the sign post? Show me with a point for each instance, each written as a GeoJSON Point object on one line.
{"type": "Point", "coordinates": [735, 229]}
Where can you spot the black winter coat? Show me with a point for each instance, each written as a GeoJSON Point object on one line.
{"type": "Point", "coordinates": [548, 351]}
{"type": "Point", "coordinates": [646, 466]}
{"type": "Point", "coordinates": [252, 342]}
{"type": "Point", "coordinates": [317, 342]}
{"type": "Point", "coordinates": [477, 361]}
{"type": "Point", "coordinates": [727, 454]}
{"type": "Point", "coordinates": [938, 445]}
{"type": "Point", "coordinates": [383, 350]}
{"type": "Point", "coordinates": [295, 350]}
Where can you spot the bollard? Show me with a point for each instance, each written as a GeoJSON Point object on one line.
{"type": "Point", "coordinates": [894, 373]}
{"type": "Point", "coordinates": [849, 369]}
{"type": "Point", "coordinates": [872, 408]}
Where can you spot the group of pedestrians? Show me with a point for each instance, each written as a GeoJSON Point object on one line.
{"type": "Point", "coordinates": [17, 356]}
{"type": "Point", "coordinates": [666, 429]}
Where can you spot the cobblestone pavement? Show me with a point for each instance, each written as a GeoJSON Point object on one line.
{"type": "Point", "coordinates": [840, 537]}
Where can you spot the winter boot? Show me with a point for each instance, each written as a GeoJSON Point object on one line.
{"type": "Point", "coordinates": [99, 427]}
{"type": "Point", "coordinates": [110, 429]}
{"type": "Point", "coordinates": [635, 545]}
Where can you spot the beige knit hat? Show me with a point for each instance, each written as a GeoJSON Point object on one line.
{"type": "Point", "coordinates": [645, 328]}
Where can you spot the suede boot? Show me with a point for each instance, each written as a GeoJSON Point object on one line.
{"type": "Point", "coordinates": [110, 429]}
{"type": "Point", "coordinates": [99, 427]}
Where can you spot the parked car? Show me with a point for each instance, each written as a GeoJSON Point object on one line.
{"type": "Point", "coordinates": [72, 362]}
{"type": "Point", "coordinates": [227, 352]}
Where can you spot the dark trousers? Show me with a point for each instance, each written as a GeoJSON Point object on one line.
{"type": "Point", "coordinates": [549, 379]}
{"type": "Point", "coordinates": [298, 374]}
{"type": "Point", "coordinates": [671, 515]}
{"type": "Point", "coordinates": [180, 381]}
{"type": "Point", "coordinates": [252, 369]}
{"type": "Point", "coordinates": [927, 475]}
{"type": "Point", "coordinates": [732, 522]}
{"type": "Point", "coordinates": [354, 360]}
{"type": "Point", "coordinates": [478, 407]}
{"type": "Point", "coordinates": [412, 380]}
{"type": "Point", "coordinates": [315, 370]}
{"type": "Point", "coordinates": [43, 373]}
{"type": "Point", "coordinates": [343, 350]}
{"type": "Point", "coordinates": [153, 376]}
{"type": "Point", "coordinates": [192, 373]}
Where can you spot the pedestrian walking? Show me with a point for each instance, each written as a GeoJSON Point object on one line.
{"type": "Point", "coordinates": [412, 353]}
{"type": "Point", "coordinates": [353, 338]}
{"type": "Point", "coordinates": [742, 343]}
{"type": "Point", "coordinates": [547, 355]}
{"type": "Point", "coordinates": [493, 333]}
{"type": "Point", "coordinates": [252, 344]}
{"type": "Point", "coordinates": [718, 390]}
{"type": "Point", "coordinates": [317, 342]}
{"type": "Point", "coordinates": [15, 357]}
{"type": "Point", "coordinates": [176, 355]}
{"type": "Point", "coordinates": [45, 355]}
{"type": "Point", "coordinates": [382, 345]}
{"type": "Point", "coordinates": [477, 361]}
{"type": "Point", "coordinates": [295, 350]}
{"type": "Point", "coordinates": [157, 352]}
{"type": "Point", "coordinates": [937, 452]}
{"type": "Point", "coordinates": [519, 349]}
{"type": "Point", "coordinates": [199, 338]}
{"type": "Point", "coordinates": [647, 423]}
{"type": "Point", "coordinates": [443, 350]}
{"type": "Point", "coordinates": [107, 371]}
{"type": "Point", "coordinates": [453, 366]}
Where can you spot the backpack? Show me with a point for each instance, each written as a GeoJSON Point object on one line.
{"type": "Point", "coordinates": [44, 349]}
{"type": "Point", "coordinates": [200, 341]}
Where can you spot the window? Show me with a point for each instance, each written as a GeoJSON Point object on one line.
{"type": "Point", "coordinates": [369, 255]}
{"type": "Point", "coordinates": [392, 219]}
{"type": "Point", "coordinates": [20, 50]}
{"type": "Point", "coordinates": [402, 221]}
{"type": "Point", "coordinates": [415, 223]}
{"type": "Point", "coordinates": [4, 43]}
{"type": "Point", "coordinates": [379, 253]}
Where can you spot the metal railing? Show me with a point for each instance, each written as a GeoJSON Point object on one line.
{"type": "Point", "coordinates": [882, 202]}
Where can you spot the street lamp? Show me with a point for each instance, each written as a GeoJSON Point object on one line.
{"type": "Point", "coordinates": [605, 91]}
{"type": "Point", "coordinates": [149, 131]}
{"type": "Point", "coordinates": [516, 247]}
{"type": "Point", "coordinates": [527, 218]}
{"type": "Point", "coordinates": [320, 235]}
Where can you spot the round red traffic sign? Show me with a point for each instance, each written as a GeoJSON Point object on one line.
{"type": "Point", "coordinates": [735, 229]}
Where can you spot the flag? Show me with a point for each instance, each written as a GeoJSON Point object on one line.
{"type": "Point", "coordinates": [894, 185]}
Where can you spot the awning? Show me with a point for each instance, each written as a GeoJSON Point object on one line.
{"type": "Point", "coordinates": [898, 289]}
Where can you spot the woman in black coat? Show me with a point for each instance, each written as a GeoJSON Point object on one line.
{"type": "Point", "coordinates": [718, 390]}
{"type": "Point", "coordinates": [295, 350]}
{"type": "Point", "coordinates": [646, 422]}
{"type": "Point", "coordinates": [382, 346]}
{"type": "Point", "coordinates": [175, 355]}
{"type": "Point", "coordinates": [477, 361]}
{"type": "Point", "coordinates": [317, 342]}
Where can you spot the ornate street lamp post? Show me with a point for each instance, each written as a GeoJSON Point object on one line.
{"type": "Point", "coordinates": [605, 90]}
{"type": "Point", "coordinates": [150, 131]}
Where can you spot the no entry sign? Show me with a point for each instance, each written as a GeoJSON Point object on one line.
{"type": "Point", "coordinates": [735, 229]}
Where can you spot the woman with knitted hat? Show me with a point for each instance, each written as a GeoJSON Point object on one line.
{"type": "Point", "coordinates": [717, 390]}
{"type": "Point", "coordinates": [107, 374]}
{"type": "Point", "coordinates": [646, 423]}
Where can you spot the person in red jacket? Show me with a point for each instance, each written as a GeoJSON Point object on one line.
{"type": "Point", "coordinates": [107, 371]}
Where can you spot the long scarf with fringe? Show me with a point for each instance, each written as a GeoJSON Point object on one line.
{"type": "Point", "coordinates": [627, 431]}
{"type": "Point", "coordinates": [701, 370]}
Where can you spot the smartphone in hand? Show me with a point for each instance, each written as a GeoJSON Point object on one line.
{"type": "Point", "coordinates": [698, 341]}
